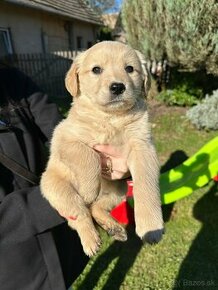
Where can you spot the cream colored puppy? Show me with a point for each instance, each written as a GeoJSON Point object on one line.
{"type": "Point", "coordinates": [108, 84]}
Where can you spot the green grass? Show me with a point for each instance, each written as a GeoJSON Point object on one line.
{"type": "Point", "coordinates": [187, 257]}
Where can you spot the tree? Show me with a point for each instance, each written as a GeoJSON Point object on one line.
{"type": "Point", "coordinates": [142, 21]}
{"type": "Point", "coordinates": [101, 6]}
{"type": "Point", "coordinates": [183, 31]}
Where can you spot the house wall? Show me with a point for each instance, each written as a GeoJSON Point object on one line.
{"type": "Point", "coordinates": [86, 32]}
{"type": "Point", "coordinates": [35, 31]}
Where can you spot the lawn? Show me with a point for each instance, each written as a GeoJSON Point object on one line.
{"type": "Point", "coordinates": [187, 257]}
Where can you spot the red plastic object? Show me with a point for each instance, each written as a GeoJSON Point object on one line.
{"type": "Point", "coordinates": [129, 189]}
{"type": "Point", "coordinates": [215, 178]}
{"type": "Point", "coordinates": [124, 212]}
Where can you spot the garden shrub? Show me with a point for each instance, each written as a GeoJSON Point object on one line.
{"type": "Point", "coordinates": [178, 96]}
{"type": "Point", "coordinates": [187, 88]}
{"type": "Point", "coordinates": [205, 114]}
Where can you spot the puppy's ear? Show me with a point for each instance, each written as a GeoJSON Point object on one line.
{"type": "Point", "coordinates": [147, 82]}
{"type": "Point", "coordinates": [72, 81]}
{"type": "Point", "coordinates": [147, 76]}
{"type": "Point", "coordinates": [72, 76]}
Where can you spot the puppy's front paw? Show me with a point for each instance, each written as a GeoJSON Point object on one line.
{"type": "Point", "coordinates": [149, 232]}
{"type": "Point", "coordinates": [153, 237]}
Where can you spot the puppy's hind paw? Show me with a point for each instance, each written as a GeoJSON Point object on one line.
{"type": "Point", "coordinates": [91, 250]}
{"type": "Point", "coordinates": [91, 244]}
{"type": "Point", "coordinates": [153, 237]}
{"type": "Point", "coordinates": [118, 233]}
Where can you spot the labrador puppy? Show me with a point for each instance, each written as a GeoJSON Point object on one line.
{"type": "Point", "coordinates": [108, 84]}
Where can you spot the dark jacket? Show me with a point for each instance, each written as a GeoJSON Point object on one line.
{"type": "Point", "coordinates": [37, 248]}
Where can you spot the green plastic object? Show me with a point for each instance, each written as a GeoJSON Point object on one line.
{"type": "Point", "coordinates": [194, 173]}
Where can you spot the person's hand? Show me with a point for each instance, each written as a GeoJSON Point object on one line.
{"type": "Point", "coordinates": [113, 161]}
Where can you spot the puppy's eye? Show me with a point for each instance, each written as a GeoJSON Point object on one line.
{"type": "Point", "coordinates": [97, 70]}
{"type": "Point", "coordinates": [129, 69]}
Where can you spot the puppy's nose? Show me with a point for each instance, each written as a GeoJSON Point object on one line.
{"type": "Point", "coordinates": [117, 88]}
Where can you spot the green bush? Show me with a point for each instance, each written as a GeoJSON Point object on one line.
{"type": "Point", "coordinates": [186, 88]}
{"type": "Point", "coordinates": [105, 33]}
{"type": "Point", "coordinates": [205, 114]}
{"type": "Point", "coordinates": [178, 97]}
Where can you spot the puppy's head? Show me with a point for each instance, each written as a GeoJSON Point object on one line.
{"type": "Point", "coordinates": [109, 74]}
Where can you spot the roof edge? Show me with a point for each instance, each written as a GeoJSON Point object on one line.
{"type": "Point", "coordinates": [51, 10]}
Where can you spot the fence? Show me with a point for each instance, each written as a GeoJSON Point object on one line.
{"type": "Point", "coordinates": [47, 70]}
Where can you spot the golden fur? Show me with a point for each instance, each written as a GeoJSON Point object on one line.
{"type": "Point", "coordinates": [72, 182]}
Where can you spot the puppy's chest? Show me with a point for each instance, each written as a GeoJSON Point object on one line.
{"type": "Point", "coordinates": [115, 131]}
{"type": "Point", "coordinates": [107, 133]}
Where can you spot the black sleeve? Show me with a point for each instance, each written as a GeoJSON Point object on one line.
{"type": "Point", "coordinates": [45, 113]}
{"type": "Point", "coordinates": [25, 213]}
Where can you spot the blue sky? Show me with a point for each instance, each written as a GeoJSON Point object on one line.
{"type": "Point", "coordinates": [116, 7]}
{"type": "Point", "coordinates": [118, 3]}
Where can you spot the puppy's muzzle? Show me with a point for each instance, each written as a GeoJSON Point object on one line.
{"type": "Point", "coordinates": [117, 88]}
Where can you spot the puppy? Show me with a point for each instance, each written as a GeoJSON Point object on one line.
{"type": "Point", "coordinates": [108, 84]}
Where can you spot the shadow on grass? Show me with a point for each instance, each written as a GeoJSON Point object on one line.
{"type": "Point", "coordinates": [199, 269]}
{"type": "Point", "coordinates": [125, 253]}
{"type": "Point", "coordinates": [176, 158]}
{"type": "Point", "coordinates": [200, 266]}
